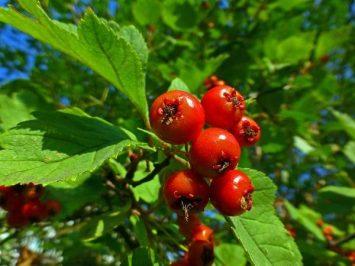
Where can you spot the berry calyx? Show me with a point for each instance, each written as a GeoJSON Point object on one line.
{"type": "Point", "coordinates": [177, 117]}
{"type": "Point", "coordinates": [186, 192]}
{"type": "Point", "coordinates": [247, 131]}
{"type": "Point", "coordinates": [224, 106]}
{"type": "Point", "coordinates": [213, 152]}
{"type": "Point", "coordinates": [231, 193]}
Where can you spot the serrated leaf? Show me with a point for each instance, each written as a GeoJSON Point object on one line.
{"type": "Point", "coordinates": [140, 230]}
{"type": "Point", "coordinates": [135, 38]}
{"type": "Point", "coordinates": [58, 146]}
{"type": "Point", "coordinates": [94, 42]}
{"type": "Point", "coordinates": [178, 84]}
{"type": "Point", "coordinates": [260, 231]}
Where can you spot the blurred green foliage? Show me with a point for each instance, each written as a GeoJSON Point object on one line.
{"type": "Point", "coordinates": [294, 58]}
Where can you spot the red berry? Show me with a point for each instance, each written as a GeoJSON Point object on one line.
{"type": "Point", "coordinates": [202, 233]}
{"type": "Point", "coordinates": [187, 226]}
{"type": "Point", "coordinates": [200, 253]}
{"type": "Point", "coordinates": [177, 117]}
{"type": "Point", "coordinates": [247, 131]}
{"type": "Point", "coordinates": [53, 207]}
{"type": "Point", "coordinates": [214, 152]}
{"type": "Point", "coordinates": [186, 191]}
{"type": "Point", "coordinates": [16, 219]}
{"type": "Point", "coordinates": [34, 211]}
{"type": "Point", "coordinates": [224, 106]}
{"type": "Point", "coordinates": [231, 193]}
{"type": "Point", "coordinates": [33, 191]}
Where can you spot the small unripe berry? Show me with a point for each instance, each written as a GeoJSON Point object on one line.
{"type": "Point", "coordinates": [247, 131]}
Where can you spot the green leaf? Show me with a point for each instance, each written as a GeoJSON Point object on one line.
{"type": "Point", "coordinates": [330, 40]}
{"type": "Point", "coordinates": [349, 151]}
{"type": "Point", "coordinates": [75, 195]}
{"type": "Point", "coordinates": [346, 121]}
{"type": "Point", "coordinates": [302, 144]}
{"type": "Point", "coordinates": [59, 146]}
{"type": "Point", "coordinates": [18, 107]}
{"type": "Point", "coordinates": [100, 225]}
{"type": "Point", "coordinates": [340, 191]}
{"type": "Point", "coordinates": [180, 14]}
{"type": "Point", "coordinates": [307, 223]}
{"type": "Point", "coordinates": [142, 256]}
{"type": "Point", "coordinates": [140, 230]}
{"type": "Point", "coordinates": [149, 191]}
{"type": "Point", "coordinates": [260, 231]}
{"type": "Point", "coordinates": [135, 38]}
{"type": "Point", "coordinates": [178, 84]}
{"type": "Point", "coordinates": [94, 42]}
{"type": "Point", "coordinates": [227, 253]}
{"type": "Point", "coordinates": [146, 11]}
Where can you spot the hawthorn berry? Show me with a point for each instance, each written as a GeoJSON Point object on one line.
{"type": "Point", "coordinates": [185, 192]}
{"type": "Point", "coordinates": [53, 207]}
{"type": "Point", "coordinates": [200, 253]}
{"type": "Point", "coordinates": [224, 106]}
{"type": "Point", "coordinates": [213, 152]}
{"type": "Point", "coordinates": [177, 117]}
{"type": "Point", "coordinates": [231, 193]}
{"type": "Point", "coordinates": [186, 226]}
{"type": "Point", "coordinates": [247, 131]}
{"type": "Point", "coordinates": [202, 232]}
{"type": "Point", "coordinates": [34, 211]}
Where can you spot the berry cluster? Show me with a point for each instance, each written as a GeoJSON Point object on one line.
{"type": "Point", "coordinates": [178, 117]}
{"type": "Point", "coordinates": [23, 204]}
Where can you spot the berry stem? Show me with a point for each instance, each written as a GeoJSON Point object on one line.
{"type": "Point", "coordinates": [157, 168]}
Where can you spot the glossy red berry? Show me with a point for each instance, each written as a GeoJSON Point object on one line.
{"type": "Point", "coordinates": [202, 232]}
{"type": "Point", "coordinates": [186, 226]}
{"type": "Point", "coordinates": [53, 207]}
{"type": "Point", "coordinates": [224, 107]}
{"type": "Point", "coordinates": [247, 131]}
{"type": "Point", "coordinates": [177, 117]}
{"type": "Point", "coordinates": [213, 152]}
{"type": "Point", "coordinates": [231, 193]}
{"type": "Point", "coordinates": [182, 262]}
{"type": "Point", "coordinates": [34, 211]}
{"type": "Point", "coordinates": [200, 253]}
{"type": "Point", "coordinates": [185, 192]}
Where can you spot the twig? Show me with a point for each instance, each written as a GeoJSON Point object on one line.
{"type": "Point", "coordinates": [157, 168]}
{"type": "Point", "coordinates": [131, 242]}
{"type": "Point", "coordinates": [132, 169]}
{"type": "Point", "coordinates": [341, 241]}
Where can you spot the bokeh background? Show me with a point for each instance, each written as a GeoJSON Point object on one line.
{"type": "Point", "coordinates": [294, 61]}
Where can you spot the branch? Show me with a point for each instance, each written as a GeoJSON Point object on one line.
{"type": "Point", "coordinates": [157, 168]}
{"type": "Point", "coordinates": [341, 241]}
